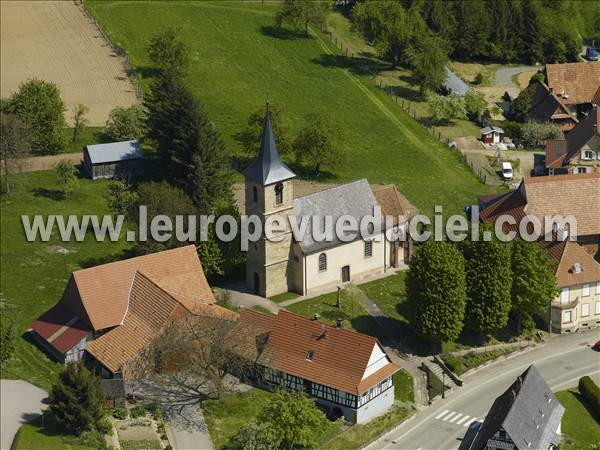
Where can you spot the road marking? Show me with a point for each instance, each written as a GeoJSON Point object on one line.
{"type": "Point", "coordinates": [441, 414]}
{"type": "Point", "coordinates": [456, 418]}
{"type": "Point", "coordinates": [462, 420]}
{"type": "Point", "coordinates": [449, 416]}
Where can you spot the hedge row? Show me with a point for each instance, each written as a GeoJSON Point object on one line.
{"type": "Point", "coordinates": [591, 394]}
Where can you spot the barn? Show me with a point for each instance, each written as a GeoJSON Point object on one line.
{"type": "Point", "coordinates": [116, 159]}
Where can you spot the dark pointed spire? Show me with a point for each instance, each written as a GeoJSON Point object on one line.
{"type": "Point", "coordinates": [268, 167]}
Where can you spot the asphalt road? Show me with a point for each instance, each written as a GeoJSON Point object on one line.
{"type": "Point", "coordinates": [561, 361]}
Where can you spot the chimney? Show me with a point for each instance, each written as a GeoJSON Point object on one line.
{"type": "Point", "coordinates": [339, 323]}
{"type": "Point", "coordinates": [315, 316]}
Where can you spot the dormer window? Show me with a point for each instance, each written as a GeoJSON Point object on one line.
{"type": "Point", "coordinates": [587, 154]}
{"type": "Point", "coordinates": [279, 193]}
{"type": "Point", "coordinates": [577, 268]}
{"type": "Point", "coordinates": [310, 355]}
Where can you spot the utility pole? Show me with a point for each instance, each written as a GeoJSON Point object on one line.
{"type": "Point", "coordinates": [338, 301]}
{"type": "Point", "coordinates": [443, 384]}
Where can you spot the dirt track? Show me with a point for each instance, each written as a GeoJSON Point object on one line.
{"type": "Point", "coordinates": [56, 42]}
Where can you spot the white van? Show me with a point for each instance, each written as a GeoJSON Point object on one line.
{"type": "Point", "coordinates": [507, 171]}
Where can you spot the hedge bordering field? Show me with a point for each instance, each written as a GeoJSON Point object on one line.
{"type": "Point", "coordinates": [590, 393]}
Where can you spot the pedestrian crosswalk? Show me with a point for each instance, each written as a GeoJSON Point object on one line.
{"type": "Point", "coordinates": [457, 418]}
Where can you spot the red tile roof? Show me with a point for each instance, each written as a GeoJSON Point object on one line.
{"type": "Point", "coordinates": [104, 290]}
{"type": "Point", "coordinates": [60, 328]}
{"type": "Point", "coordinates": [340, 356]}
{"type": "Point", "coordinates": [566, 275]}
{"type": "Point", "coordinates": [556, 151]}
{"type": "Point", "coordinates": [392, 202]}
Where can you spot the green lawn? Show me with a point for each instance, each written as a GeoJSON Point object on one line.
{"type": "Point", "coordinates": [89, 135]}
{"type": "Point", "coordinates": [285, 296]}
{"type": "Point", "coordinates": [224, 417]}
{"type": "Point", "coordinates": [33, 274]}
{"type": "Point", "coordinates": [34, 436]}
{"type": "Point", "coordinates": [580, 429]}
{"type": "Point", "coordinates": [403, 387]}
{"type": "Point", "coordinates": [261, 309]}
{"type": "Point", "coordinates": [356, 318]}
{"type": "Point", "coordinates": [239, 58]}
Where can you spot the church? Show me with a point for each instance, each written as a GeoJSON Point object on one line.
{"type": "Point", "coordinates": [309, 266]}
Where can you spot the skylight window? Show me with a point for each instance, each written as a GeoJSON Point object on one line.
{"type": "Point", "coordinates": [310, 355]}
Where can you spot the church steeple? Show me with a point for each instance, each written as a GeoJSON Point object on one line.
{"type": "Point", "coordinates": [268, 167]}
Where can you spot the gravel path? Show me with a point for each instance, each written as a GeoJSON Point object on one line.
{"type": "Point", "coordinates": [504, 76]}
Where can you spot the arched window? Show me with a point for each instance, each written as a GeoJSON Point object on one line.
{"type": "Point", "coordinates": [322, 262]}
{"type": "Point", "coordinates": [254, 193]}
{"type": "Point", "coordinates": [279, 193]}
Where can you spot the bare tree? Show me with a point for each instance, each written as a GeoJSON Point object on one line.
{"type": "Point", "coordinates": [79, 119]}
{"type": "Point", "coordinates": [199, 357]}
{"type": "Point", "coordinates": [15, 145]}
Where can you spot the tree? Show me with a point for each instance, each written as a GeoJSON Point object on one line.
{"type": "Point", "coordinates": [37, 104]}
{"type": "Point", "coordinates": [534, 284]}
{"type": "Point", "coordinates": [250, 138]}
{"type": "Point", "coordinates": [489, 281]}
{"type": "Point", "coordinates": [436, 291]}
{"type": "Point", "coordinates": [66, 175]}
{"type": "Point", "coordinates": [294, 418]}
{"type": "Point", "coordinates": [531, 31]}
{"type": "Point", "coordinates": [14, 146]}
{"type": "Point", "coordinates": [302, 13]}
{"type": "Point", "coordinates": [444, 109]}
{"type": "Point", "coordinates": [120, 197]}
{"type": "Point", "coordinates": [428, 58]}
{"type": "Point", "coordinates": [8, 326]}
{"type": "Point", "coordinates": [161, 199]}
{"type": "Point", "coordinates": [79, 120]}
{"type": "Point", "coordinates": [76, 400]}
{"type": "Point", "coordinates": [319, 143]}
{"type": "Point", "coordinates": [126, 124]}
{"type": "Point", "coordinates": [475, 105]}
{"type": "Point", "coordinates": [196, 356]}
{"type": "Point", "coordinates": [254, 435]}
{"type": "Point", "coordinates": [535, 134]}
{"type": "Point", "coordinates": [472, 34]}
{"type": "Point", "coordinates": [169, 52]}
{"type": "Point", "coordinates": [520, 107]}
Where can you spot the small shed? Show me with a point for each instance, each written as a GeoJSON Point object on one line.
{"type": "Point", "coordinates": [492, 135]}
{"type": "Point", "coordinates": [113, 159]}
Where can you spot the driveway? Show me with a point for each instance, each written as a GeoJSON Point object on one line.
{"type": "Point", "coordinates": [21, 403]}
{"type": "Point", "coordinates": [504, 76]}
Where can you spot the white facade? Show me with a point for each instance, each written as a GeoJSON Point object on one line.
{"type": "Point", "coordinates": [576, 307]}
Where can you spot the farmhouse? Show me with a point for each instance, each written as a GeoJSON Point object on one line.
{"type": "Point", "coordinates": [491, 135]}
{"type": "Point", "coordinates": [309, 264]}
{"type": "Point", "coordinates": [578, 271]}
{"type": "Point", "coordinates": [580, 151]}
{"type": "Point", "coordinates": [108, 313]}
{"type": "Point", "coordinates": [347, 372]}
{"type": "Point", "coordinates": [117, 159]}
{"type": "Point", "coordinates": [527, 415]}
{"type": "Point", "coordinates": [570, 92]}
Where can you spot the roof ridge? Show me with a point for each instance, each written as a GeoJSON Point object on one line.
{"type": "Point", "coordinates": [339, 186]}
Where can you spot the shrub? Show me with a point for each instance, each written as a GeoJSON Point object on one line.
{"type": "Point", "coordinates": [137, 411]}
{"type": "Point", "coordinates": [591, 394]}
{"type": "Point", "coordinates": [104, 426]}
{"type": "Point", "coordinates": [453, 363]}
{"type": "Point", "coordinates": [168, 447]}
{"type": "Point", "coordinates": [125, 124]}
{"type": "Point", "coordinates": [478, 78]}
{"type": "Point", "coordinates": [120, 413]}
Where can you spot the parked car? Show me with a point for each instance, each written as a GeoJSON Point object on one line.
{"type": "Point", "coordinates": [596, 346]}
{"type": "Point", "coordinates": [591, 54]}
{"type": "Point", "coordinates": [507, 171]}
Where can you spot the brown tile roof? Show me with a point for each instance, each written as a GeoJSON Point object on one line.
{"type": "Point", "coordinates": [566, 275]}
{"type": "Point", "coordinates": [149, 309]}
{"type": "Point", "coordinates": [575, 194]}
{"type": "Point", "coordinates": [392, 202]}
{"type": "Point", "coordinates": [340, 356]}
{"type": "Point", "coordinates": [104, 289]}
{"type": "Point", "coordinates": [556, 151]}
{"type": "Point", "coordinates": [579, 81]}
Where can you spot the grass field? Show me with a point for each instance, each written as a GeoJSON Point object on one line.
{"type": "Point", "coordinates": [580, 429]}
{"type": "Point", "coordinates": [89, 135]}
{"type": "Point", "coordinates": [239, 59]}
{"type": "Point", "coordinates": [34, 436]}
{"type": "Point", "coordinates": [33, 274]}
